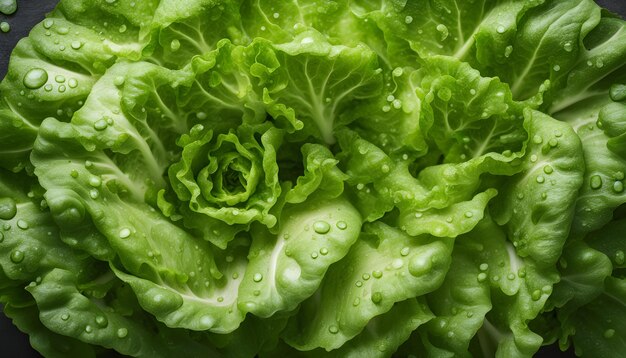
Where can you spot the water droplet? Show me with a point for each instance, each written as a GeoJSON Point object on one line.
{"type": "Point", "coordinates": [444, 94]}
{"type": "Point", "coordinates": [595, 182]}
{"type": "Point", "coordinates": [175, 45]}
{"type": "Point", "coordinates": [469, 214]}
{"type": "Point", "coordinates": [59, 78]}
{"type": "Point", "coordinates": [377, 297]}
{"type": "Point", "coordinates": [510, 276]}
{"type": "Point", "coordinates": [8, 208]}
{"type": "Point", "coordinates": [101, 321]}
{"type": "Point", "coordinates": [408, 19]}
{"type": "Point", "coordinates": [100, 125]}
{"type": "Point", "coordinates": [481, 277]}
{"type": "Point", "coordinates": [122, 333]}
{"type": "Point", "coordinates": [94, 193]}
{"type": "Point", "coordinates": [548, 169]}
{"type": "Point", "coordinates": [540, 179]}
{"type": "Point", "coordinates": [356, 302]}
{"type": "Point", "coordinates": [88, 329]}
{"type": "Point", "coordinates": [307, 40]}
{"type": "Point", "coordinates": [119, 81]}
{"type": "Point", "coordinates": [419, 265]}
{"type": "Point", "coordinates": [599, 63]}
{"type": "Point", "coordinates": [397, 72]}
{"type": "Point", "coordinates": [276, 15]}
{"type": "Point", "coordinates": [377, 274]}
{"type": "Point", "coordinates": [568, 47]}
{"type": "Point", "coordinates": [314, 255]}
{"type": "Point", "coordinates": [321, 227]}
{"type": "Point", "coordinates": [553, 142]}
{"type": "Point", "coordinates": [500, 29]}
{"type": "Point", "coordinates": [619, 257]}
{"type": "Point", "coordinates": [5, 27]}
{"type": "Point", "coordinates": [95, 182]}
{"type": "Point", "coordinates": [48, 23]}
{"type": "Point", "coordinates": [484, 266]}
{"type": "Point", "coordinates": [122, 29]}
{"type": "Point", "coordinates": [257, 277]}
{"type": "Point", "coordinates": [365, 276]}
{"type": "Point", "coordinates": [443, 30]}
{"type": "Point", "coordinates": [17, 256]}
{"type": "Point", "coordinates": [324, 251]}
{"type": "Point", "coordinates": [405, 251]}
{"type": "Point", "coordinates": [507, 51]}
{"type": "Point", "coordinates": [472, 91]}
{"type": "Point", "coordinates": [358, 284]}
{"type": "Point", "coordinates": [65, 316]}
{"type": "Point", "coordinates": [618, 186]}
{"type": "Point", "coordinates": [556, 68]}
{"type": "Point", "coordinates": [124, 233]}
{"type": "Point", "coordinates": [35, 78]}
{"type": "Point", "coordinates": [333, 329]}
{"type": "Point", "coordinates": [617, 92]}
{"type": "Point", "coordinates": [76, 45]}
{"type": "Point", "coordinates": [22, 224]}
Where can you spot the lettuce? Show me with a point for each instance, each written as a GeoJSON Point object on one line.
{"type": "Point", "coordinates": [316, 178]}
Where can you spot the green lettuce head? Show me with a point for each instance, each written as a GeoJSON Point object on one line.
{"type": "Point", "coordinates": [316, 179]}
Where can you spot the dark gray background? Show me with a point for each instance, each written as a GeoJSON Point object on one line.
{"type": "Point", "coordinates": [13, 343]}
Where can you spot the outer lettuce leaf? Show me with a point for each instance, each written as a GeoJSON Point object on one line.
{"type": "Point", "coordinates": [46, 342]}
{"type": "Point", "coordinates": [599, 124]}
{"type": "Point", "coordinates": [181, 264]}
{"type": "Point", "coordinates": [391, 121]}
{"type": "Point", "coordinates": [380, 338]}
{"type": "Point", "coordinates": [539, 202]}
{"type": "Point", "coordinates": [544, 46]}
{"type": "Point", "coordinates": [66, 311]}
{"type": "Point", "coordinates": [28, 235]}
{"type": "Point", "coordinates": [595, 328]}
{"type": "Point", "coordinates": [288, 267]}
{"type": "Point", "coordinates": [487, 299]}
{"type": "Point", "coordinates": [319, 81]}
{"type": "Point", "coordinates": [321, 175]}
{"type": "Point", "coordinates": [383, 267]}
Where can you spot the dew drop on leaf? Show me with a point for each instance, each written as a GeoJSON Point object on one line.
{"type": "Point", "coordinates": [8, 208]}
{"type": "Point", "coordinates": [35, 78]}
